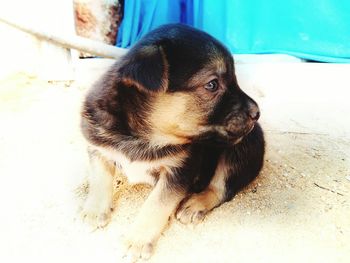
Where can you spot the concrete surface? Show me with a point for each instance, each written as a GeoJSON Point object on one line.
{"type": "Point", "coordinates": [298, 210]}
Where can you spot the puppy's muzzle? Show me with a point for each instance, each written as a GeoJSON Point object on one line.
{"type": "Point", "coordinates": [238, 128]}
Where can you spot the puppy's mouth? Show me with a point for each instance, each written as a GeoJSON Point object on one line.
{"type": "Point", "coordinates": [236, 137]}
{"type": "Point", "coordinates": [220, 133]}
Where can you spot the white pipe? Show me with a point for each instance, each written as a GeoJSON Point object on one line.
{"type": "Point", "coordinates": [70, 41]}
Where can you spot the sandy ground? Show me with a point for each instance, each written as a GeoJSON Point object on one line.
{"type": "Point", "coordinates": [298, 210]}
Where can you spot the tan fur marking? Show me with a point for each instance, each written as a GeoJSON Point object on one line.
{"type": "Point", "coordinates": [218, 182]}
{"type": "Point", "coordinates": [175, 118]}
{"type": "Point", "coordinates": [220, 66]}
{"type": "Point", "coordinates": [130, 82]}
{"type": "Point", "coordinates": [198, 205]}
{"type": "Point", "coordinates": [165, 77]}
{"type": "Point", "coordinates": [193, 210]}
{"type": "Point", "coordinates": [216, 68]}
{"type": "Point", "coordinates": [208, 199]}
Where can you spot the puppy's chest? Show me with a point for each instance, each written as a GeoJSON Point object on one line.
{"type": "Point", "coordinates": [135, 171]}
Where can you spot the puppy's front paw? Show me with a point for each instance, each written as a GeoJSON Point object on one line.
{"type": "Point", "coordinates": [97, 215]}
{"type": "Point", "coordinates": [192, 211]}
{"type": "Point", "coordinates": [137, 247]}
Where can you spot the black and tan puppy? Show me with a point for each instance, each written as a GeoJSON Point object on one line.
{"type": "Point", "coordinates": [172, 115]}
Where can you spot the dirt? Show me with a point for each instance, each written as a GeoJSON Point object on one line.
{"type": "Point", "coordinates": [298, 210]}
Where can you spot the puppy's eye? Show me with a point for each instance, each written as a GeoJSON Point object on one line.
{"type": "Point", "coordinates": [212, 85]}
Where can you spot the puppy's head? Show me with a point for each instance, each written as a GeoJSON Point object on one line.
{"type": "Point", "coordinates": [189, 80]}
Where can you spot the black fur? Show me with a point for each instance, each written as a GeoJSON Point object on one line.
{"type": "Point", "coordinates": [145, 65]}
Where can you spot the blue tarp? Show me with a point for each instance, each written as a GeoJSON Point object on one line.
{"type": "Point", "coordinates": [311, 29]}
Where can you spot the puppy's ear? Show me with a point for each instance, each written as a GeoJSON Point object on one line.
{"type": "Point", "coordinates": [146, 68]}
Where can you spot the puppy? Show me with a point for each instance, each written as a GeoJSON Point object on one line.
{"type": "Point", "coordinates": [170, 114]}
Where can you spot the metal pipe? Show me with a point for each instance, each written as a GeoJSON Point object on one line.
{"type": "Point", "coordinates": [70, 41]}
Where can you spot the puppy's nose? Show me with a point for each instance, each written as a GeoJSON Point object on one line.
{"type": "Point", "coordinates": [253, 109]}
{"type": "Point", "coordinates": [254, 114]}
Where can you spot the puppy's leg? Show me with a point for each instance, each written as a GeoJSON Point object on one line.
{"type": "Point", "coordinates": [193, 209]}
{"type": "Point", "coordinates": [98, 205]}
{"type": "Point", "coordinates": [152, 219]}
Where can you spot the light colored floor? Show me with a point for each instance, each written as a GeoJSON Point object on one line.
{"type": "Point", "coordinates": [298, 210]}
